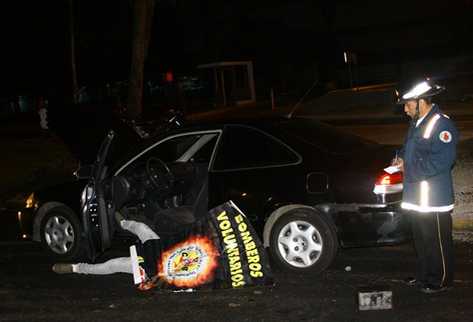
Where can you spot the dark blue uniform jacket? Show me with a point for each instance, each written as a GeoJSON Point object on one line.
{"type": "Point", "coordinates": [429, 153]}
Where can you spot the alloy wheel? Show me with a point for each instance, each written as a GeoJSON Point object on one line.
{"type": "Point", "coordinates": [300, 244]}
{"type": "Point", "coordinates": [59, 234]}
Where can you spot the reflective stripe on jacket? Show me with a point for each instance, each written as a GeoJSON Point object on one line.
{"type": "Point", "coordinates": [429, 154]}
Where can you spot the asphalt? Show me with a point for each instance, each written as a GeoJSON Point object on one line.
{"type": "Point", "coordinates": [30, 291]}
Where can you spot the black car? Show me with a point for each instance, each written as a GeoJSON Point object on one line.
{"type": "Point", "coordinates": [307, 187]}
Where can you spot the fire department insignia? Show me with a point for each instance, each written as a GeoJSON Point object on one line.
{"type": "Point", "coordinates": [445, 137]}
{"type": "Point", "coordinates": [190, 263]}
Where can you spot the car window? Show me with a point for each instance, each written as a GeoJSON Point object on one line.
{"type": "Point", "coordinates": [196, 147]}
{"type": "Point", "coordinates": [245, 147]}
{"type": "Point", "coordinates": [170, 150]}
{"type": "Point", "coordinates": [204, 154]}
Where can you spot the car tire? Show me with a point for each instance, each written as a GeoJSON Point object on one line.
{"type": "Point", "coordinates": [303, 241]}
{"type": "Point", "coordinates": [61, 233]}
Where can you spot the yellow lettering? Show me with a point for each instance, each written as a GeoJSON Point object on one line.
{"type": "Point", "coordinates": [242, 227]}
{"type": "Point", "coordinates": [237, 272]}
{"type": "Point", "coordinates": [253, 259]}
{"type": "Point", "coordinates": [237, 277]}
{"type": "Point", "coordinates": [238, 284]}
{"type": "Point", "coordinates": [222, 216]}
{"type": "Point", "coordinates": [226, 232]}
{"type": "Point", "coordinates": [225, 225]}
{"type": "Point", "coordinates": [251, 245]}
{"type": "Point", "coordinates": [252, 252]}
{"type": "Point", "coordinates": [230, 241]}
{"type": "Point", "coordinates": [232, 251]}
{"type": "Point", "coordinates": [246, 236]}
{"type": "Point", "coordinates": [255, 266]}
{"type": "Point", "coordinates": [256, 274]}
{"type": "Point", "coordinates": [239, 219]}
{"type": "Point", "coordinates": [235, 266]}
{"type": "Point", "coordinates": [234, 259]}
{"type": "Point", "coordinates": [231, 247]}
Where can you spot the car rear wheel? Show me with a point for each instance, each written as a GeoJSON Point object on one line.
{"type": "Point", "coordinates": [303, 240]}
{"type": "Point", "coordinates": [61, 234]}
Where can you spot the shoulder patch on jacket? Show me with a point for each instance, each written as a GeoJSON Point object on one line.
{"type": "Point", "coordinates": [445, 136]}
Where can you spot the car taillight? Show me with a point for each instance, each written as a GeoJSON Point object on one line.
{"type": "Point", "coordinates": [388, 183]}
{"type": "Point", "coordinates": [386, 179]}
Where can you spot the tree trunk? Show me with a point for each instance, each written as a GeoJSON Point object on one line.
{"type": "Point", "coordinates": [75, 87]}
{"type": "Point", "coordinates": [142, 22]}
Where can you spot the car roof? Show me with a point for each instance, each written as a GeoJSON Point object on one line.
{"type": "Point", "coordinates": [273, 124]}
{"type": "Point", "coordinates": [209, 123]}
{"type": "Point", "coordinates": [257, 120]}
{"type": "Point", "coordinates": [222, 120]}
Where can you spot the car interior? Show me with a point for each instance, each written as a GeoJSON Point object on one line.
{"type": "Point", "coordinates": [170, 197]}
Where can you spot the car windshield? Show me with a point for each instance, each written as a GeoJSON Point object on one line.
{"type": "Point", "coordinates": [325, 137]}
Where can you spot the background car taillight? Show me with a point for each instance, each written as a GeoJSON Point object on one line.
{"type": "Point", "coordinates": [387, 183]}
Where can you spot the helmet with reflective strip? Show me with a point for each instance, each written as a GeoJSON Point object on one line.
{"type": "Point", "coordinates": [420, 88]}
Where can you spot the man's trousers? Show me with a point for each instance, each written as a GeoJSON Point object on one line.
{"type": "Point", "coordinates": [432, 233]}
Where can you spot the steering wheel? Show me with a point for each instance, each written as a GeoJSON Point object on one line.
{"type": "Point", "coordinates": [159, 174]}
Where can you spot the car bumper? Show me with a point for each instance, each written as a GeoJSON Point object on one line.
{"type": "Point", "coordinates": [373, 225]}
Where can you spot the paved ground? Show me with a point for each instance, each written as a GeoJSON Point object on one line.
{"type": "Point", "coordinates": [29, 291]}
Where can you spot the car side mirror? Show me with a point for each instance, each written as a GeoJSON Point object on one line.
{"type": "Point", "coordinates": [83, 172]}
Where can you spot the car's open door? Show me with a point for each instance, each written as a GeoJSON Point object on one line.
{"type": "Point", "coordinates": [97, 219]}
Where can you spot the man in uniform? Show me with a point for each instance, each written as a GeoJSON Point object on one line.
{"type": "Point", "coordinates": [426, 159]}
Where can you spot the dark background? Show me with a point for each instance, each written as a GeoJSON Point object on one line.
{"type": "Point", "coordinates": [292, 43]}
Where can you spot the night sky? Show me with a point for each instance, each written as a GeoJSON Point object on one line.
{"type": "Point", "coordinates": [33, 45]}
{"type": "Point", "coordinates": [299, 39]}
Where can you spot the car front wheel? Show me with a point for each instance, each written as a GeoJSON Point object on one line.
{"type": "Point", "coordinates": [60, 234]}
{"type": "Point", "coordinates": [303, 240]}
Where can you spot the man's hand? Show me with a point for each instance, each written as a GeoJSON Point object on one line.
{"type": "Point", "coordinates": [398, 162]}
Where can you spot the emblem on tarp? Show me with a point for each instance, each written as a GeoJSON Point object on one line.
{"type": "Point", "coordinates": [190, 263]}
{"type": "Point", "coordinates": [445, 136]}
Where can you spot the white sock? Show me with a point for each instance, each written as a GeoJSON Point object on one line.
{"type": "Point", "coordinates": [114, 265]}
{"type": "Point", "coordinates": [141, 230]}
